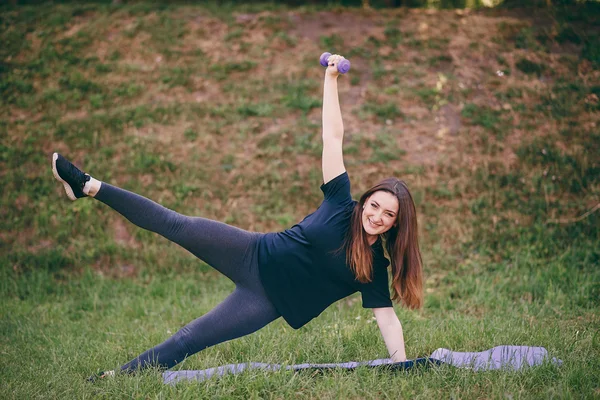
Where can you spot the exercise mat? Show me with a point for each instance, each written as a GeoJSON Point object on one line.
{"type": "Point", "coordinates": [499, 357]}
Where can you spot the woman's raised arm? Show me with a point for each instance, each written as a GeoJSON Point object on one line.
{"type": "Point", "coordinates": [333, 126]}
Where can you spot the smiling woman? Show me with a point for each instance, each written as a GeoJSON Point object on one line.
{"type": "Point", "coordinates": [295, 274]}
{"type": "Point", "coordinates": [388, 211]}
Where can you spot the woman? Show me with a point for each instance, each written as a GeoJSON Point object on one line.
{"type": "Point", "coordinates": [296, 274]}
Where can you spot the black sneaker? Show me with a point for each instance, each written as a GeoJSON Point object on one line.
{"type": "Point", "coordinates": [71, 177]}
{"type": "Point", "coordinates": [100, 375]}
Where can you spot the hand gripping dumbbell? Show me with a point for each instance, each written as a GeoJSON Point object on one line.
{"type": "Point", "coordinates": [342, 67]}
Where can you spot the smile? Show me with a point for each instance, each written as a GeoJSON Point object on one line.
{"type": "Point", "coordinates": [372, 224]}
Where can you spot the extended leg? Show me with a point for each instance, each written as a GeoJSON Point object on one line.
{"type": "Point", "coordinates": [222, 246]}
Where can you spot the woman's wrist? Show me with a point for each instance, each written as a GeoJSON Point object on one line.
{"type": "Point", "coordinates": [331, 82]}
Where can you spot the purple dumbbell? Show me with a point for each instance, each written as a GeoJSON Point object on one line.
{"type": "Point", "coordinates": [343, 66]}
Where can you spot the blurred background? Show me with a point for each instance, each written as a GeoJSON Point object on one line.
{"type": "Point", "coordinates": [489, 111]}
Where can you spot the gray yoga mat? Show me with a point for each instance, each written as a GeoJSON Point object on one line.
{"type": "Point", "coordinates": [500, 357]}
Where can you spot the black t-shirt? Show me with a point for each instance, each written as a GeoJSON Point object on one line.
{"type": "Point", "coordinates": [300, 271]}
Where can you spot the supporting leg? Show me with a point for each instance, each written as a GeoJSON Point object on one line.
{"type": "Point", "coordinates": [240, 314]}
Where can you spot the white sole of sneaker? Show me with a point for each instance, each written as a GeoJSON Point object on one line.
{"type": "Point", "coordinates": [68, 189]}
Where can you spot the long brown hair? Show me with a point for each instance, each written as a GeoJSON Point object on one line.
{"type": "Point", "coordinates": [401, 243]}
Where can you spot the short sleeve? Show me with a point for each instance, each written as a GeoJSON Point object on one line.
{"type": "Point", "coordinates": [376, 294]}
{"type": "Point", "coordinates": [337, 190]}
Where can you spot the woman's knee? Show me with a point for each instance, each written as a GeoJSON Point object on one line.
{"type": "Point", "coordinates": [175, 225]}
{"type": "Point", "coordinates": [184, 339]}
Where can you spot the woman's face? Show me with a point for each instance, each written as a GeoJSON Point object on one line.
{"type": "Point", "coordinates": [380, 212]}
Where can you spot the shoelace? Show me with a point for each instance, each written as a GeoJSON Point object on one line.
{"type": "Point", "coordinates": [78, 177]}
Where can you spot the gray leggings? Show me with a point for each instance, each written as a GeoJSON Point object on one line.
{"type": "Point", "coordinates": [230, 250]}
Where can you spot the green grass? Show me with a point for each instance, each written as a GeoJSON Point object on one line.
{"type": "Point", "coordinates": [530, 67]}
{"type": "Point", "coordinates": [388, 110]}
{"type": "Point", "coordinates": [238, 139]}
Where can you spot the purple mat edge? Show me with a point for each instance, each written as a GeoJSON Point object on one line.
{"type": "Point", "coordinates": [499, 357]}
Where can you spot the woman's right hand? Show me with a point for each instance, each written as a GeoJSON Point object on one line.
{"type": "Point", "coordinates": [332, 64]}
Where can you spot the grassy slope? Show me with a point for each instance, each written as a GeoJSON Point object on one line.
{"type": "Point", "coordinates": [216, 112]}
